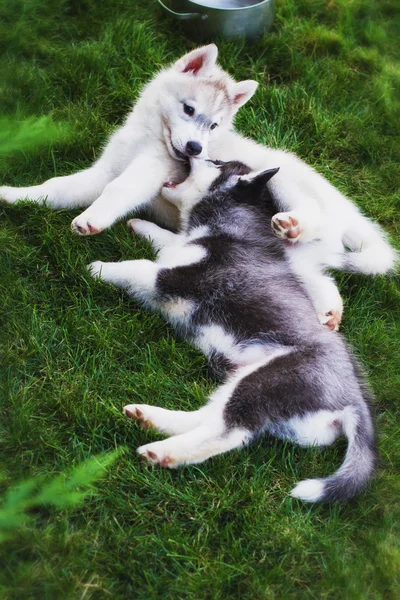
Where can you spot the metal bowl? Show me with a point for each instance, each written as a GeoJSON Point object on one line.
{"type": "Point", "coordinates": [208, 19]}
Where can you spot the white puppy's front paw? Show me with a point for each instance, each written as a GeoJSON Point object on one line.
{"type": "Point", "coordinates": [286, 225]}
{"type": "Point", "coordinates": [84, 226]}
{"type": "Point", "coordinates": [95, 269]}
{"type": "Point", "coordinates": [158, 453]}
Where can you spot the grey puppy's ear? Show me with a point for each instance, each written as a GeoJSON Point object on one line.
{"type": "Point", "coordinates": [257, 177]}
{"type": "Point", "coordinates": [199, 62]}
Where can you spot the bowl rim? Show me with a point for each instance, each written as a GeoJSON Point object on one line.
{"type": "Point", "coordinates": [228, 8]}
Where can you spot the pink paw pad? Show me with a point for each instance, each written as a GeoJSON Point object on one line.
{"type": "Point", "coordinates": [93, 229]}
{"type": "Point", "coordinates": [86, 230]}
{"type": "Point", "coordinates": [138, 416]}
{"type": "Point", "coordinates": [150, 456]}
{"type": "Point", "coordinates": [333, 320]}
{"type": "Point", "coordinates": [288, 227]}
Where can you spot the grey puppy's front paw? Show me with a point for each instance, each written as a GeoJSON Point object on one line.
{"type": "Point", "coordinates": [95, 269]}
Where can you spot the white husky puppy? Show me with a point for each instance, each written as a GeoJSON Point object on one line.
{"type": "Point", "coordinates": [188, 110]}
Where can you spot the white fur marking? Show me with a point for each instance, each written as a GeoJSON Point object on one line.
{"type": "Point", "coordinates": [213, 338]}
{"type": "Point", "coordinates": [198, 232]}
{"type": "Point", "coordinates": [309, 490]}
{"type": "Point", "coordinates": [317, 429]}
{"type": "Point", "coordinates": [181, 256]}
{"type": "Point", "coordinates": [177, 311]}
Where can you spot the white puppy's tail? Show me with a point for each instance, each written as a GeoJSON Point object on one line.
{"type": "Point", "coordinates": [371, 253]}
{"type": "Point", "coordinates": [358, 465]}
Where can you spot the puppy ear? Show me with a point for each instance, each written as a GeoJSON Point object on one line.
{"type": "Point", "coordinates": [199, 61]}
{"type": "Point", "coordinates": [243, 91]}
{"type": "Point", "coordinates": [257, 177]}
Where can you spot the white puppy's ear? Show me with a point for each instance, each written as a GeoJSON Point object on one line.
{"type": "Point", "coordinates": [243, 91]}
{"type": "Point", "coordinates": [199, 61]}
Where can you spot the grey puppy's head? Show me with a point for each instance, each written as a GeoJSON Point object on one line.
{"type": "Point", "coordinates": [231, 181]}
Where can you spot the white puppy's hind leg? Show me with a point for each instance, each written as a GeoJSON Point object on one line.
{"type": "Point", "coordinates": [327, 301]}
{"type": "Point", "coordinates": [83, 188]}
{"type": "Point", "coordinates": [79, 189]}
{"type": "Point", "coordinates": [323, 293]}
{"type": "Point", "coordinates": [371, 252]}
{"type": "Point", "coordinates": [308, 262]}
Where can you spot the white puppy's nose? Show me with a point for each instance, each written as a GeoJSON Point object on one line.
{"type": "Point", "coordinates": [193, 148]}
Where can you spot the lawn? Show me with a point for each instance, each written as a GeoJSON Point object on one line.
{"type": "Point", "coordinates": [74, 351]}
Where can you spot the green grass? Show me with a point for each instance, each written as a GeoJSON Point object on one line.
{"type": "Point", "coordinates": [73, 351]}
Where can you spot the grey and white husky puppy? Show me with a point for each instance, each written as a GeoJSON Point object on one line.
{"type": "Point", "coordinates": [188, 110]}
{"type": "Point", "coordinates": [225, 282]}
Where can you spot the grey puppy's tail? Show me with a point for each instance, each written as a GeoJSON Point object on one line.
{"type": "Point", "coordinates": [358, 465]}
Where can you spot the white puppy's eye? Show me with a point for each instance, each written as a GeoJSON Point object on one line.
{"type": "Point", "coordinates": [214, 125]}
{"type": "Point", "coordinates": [188, 110]}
